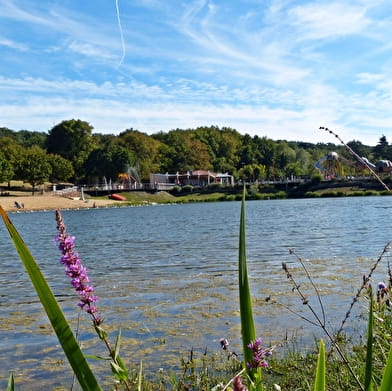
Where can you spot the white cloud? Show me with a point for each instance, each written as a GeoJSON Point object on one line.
{"type": "Point", "coordinates": [13, 45]}
{"type": "Point", "coordinates": [369, 78]}
{"type": "Point", "coordinates": [328, 20]}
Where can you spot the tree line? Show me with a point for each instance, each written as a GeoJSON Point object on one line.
{"type": "Point", "coordinates": [71, 152]}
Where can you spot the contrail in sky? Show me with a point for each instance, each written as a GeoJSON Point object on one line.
{"type": "Point", "coordinates": [121, 34]}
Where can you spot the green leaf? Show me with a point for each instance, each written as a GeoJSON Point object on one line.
{"type": "Point", "coordinates": [56, 317]}
{"type": "Point", "coordinates": [102, 334]}
{"type": "Point", "coordinates": [386, 383]}
{"type": "Point", "coordinates": [119, 373]}
{"type": "Point", "coordinates": [139, 384]}
{"type": "Point", "coordinates": [246, 313]}
{"type": "Point", "coordinates": [11, 383]}
{"type": "Point", "coordinates": [319, 384]}
{"type": "Point", "coordinates": [369, 347]}
{"type": "Point", "coordinates": [117, 346]}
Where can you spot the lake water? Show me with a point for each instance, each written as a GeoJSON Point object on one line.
{"type": "Point", "coordinates": [167, 275]}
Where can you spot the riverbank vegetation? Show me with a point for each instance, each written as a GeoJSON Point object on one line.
{"type": "Point", "coordinates": [70, 151]}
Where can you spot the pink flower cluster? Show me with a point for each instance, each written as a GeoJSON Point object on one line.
{"type": "Point", "coordinates": [259, 354]}
{"type": "Point", "coordinates": [76, 271]}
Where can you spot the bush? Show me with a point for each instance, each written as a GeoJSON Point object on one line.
{"type": "Point", "coordinates": [176, 190]}
{"type": "Point", "coordinates": [187, 189]}
{"type": "Point", "coordinates": [371, 193]}
{"type": "Point", "coordinates": [316, 179]}
{"type": "Point", "coordinates": [312, 194]}
{"type": "Point", "coordinates": [214, 186]}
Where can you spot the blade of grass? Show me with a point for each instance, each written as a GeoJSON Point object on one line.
{"type": "Point", "coordinates": [386, 383]}
{"type": "Point", "coordinates": [11, 383]}
{"type": "Point", "coordinates": [56, 317]}
{"type": "Point", "coordinates": [246, 313]}
{"type": "Point", "coordinates": [319, 384]}
{"type": "Point", "coordinates": [369, 347]}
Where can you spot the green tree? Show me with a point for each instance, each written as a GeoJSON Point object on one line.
{"type": "Point", "coordinates": [6, 169]}
{"type": "Point", "coordinates": [266, 154]}
{"type": "Point", "coordinates": [259, 172]}
{"type": "Point", "coordinates": [13, 153]}
{"type": "Point", "coordinates": [382, 150]}
{"type": "Point", "coordinates": [35, 168]}
{"type": "Point", "coordinates": [224, 146]}
{"type": "Point", "coordinates": [293, 169]}
{"type": "Point", "coordinates": [360, 149]}
{"type": "Point", "coordinates": [185, 152]}
{"type": "Point", "coordinates": [27, 138]}
{"type": "Point", "coordinates": [108, 162]}
{"type": "Point", "coordinates": [61, 168]}
{"type": "Point", "coordinates": [148, 152]}
{"type": "Point", "coordinates": [73, 140]}
{"type": "Point", "coordinates": [284, 155]}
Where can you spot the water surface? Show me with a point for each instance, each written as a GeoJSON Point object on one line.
{"type": "Point", "coordinates": [167, 275]}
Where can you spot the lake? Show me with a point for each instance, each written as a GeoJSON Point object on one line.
{"type": "Point", "coordinates": [167, 276]}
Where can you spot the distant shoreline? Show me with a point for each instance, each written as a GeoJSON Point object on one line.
{"type": "Point", "coordinates": [50, 202]}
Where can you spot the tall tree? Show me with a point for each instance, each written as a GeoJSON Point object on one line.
{"type": "Point", "coordinates": [62, 169]}
{"type": "Point", "coordinates": [185, 152]}
{"type": "Point", "coordinates": [108, 162]}
{"type": "Point", "coordinates": [13, 153]}
{"type": "Point", "coordinates": [6, 169]}
{"type": "Point", "coordinates": [73, 140]}
{"type": "Point", "coordinates": [146, 150]}
{"type": "Point", "coordinates": [35, 168]}
{"type": "Point", "coordinates": [382, 150]}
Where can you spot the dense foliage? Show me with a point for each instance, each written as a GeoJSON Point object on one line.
{"type": "Point", "coordinates": [70, 151]}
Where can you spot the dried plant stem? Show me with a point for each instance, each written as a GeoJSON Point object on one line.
{"type": "Point", "coordinates": [359, 158]}
{"type": "Point", "coordinates": [320, 322]}
{"type": "Point", "coordinates": [312, 283]}
{"type": "Point", "coordinates": [366, 280]}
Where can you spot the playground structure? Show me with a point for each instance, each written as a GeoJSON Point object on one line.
{"type": "Point", "coordinates": [382, 166]}
{"type": "Point", "coordinates": [332, 165]}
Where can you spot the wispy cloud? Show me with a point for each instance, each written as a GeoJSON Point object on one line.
{"type": "Point", "coordinates": [279, 68]}
{"type": "Point", "coordinates": [13, 45]}
{"type": "Point", "coordinates": [328, 20]}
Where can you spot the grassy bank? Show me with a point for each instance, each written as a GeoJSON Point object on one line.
{"type": "Point", "coordinates": [255, 192]}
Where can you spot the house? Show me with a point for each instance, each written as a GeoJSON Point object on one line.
{"type": "Point", "coordinates": [199, 178]}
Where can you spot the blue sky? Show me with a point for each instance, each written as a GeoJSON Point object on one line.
{"type": "Point", "coordinates": [275, 68]}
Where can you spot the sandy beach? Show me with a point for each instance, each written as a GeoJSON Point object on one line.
{"type": "Point", "coordinates": [50, 202]}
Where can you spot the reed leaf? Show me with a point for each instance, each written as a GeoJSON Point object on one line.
{"type": "Point", "coordinates": [56, 317]}
{"type": "Point", "coordinates": [369, 347]}
{"type": "Point", "coordinates": [246, 313]}
{"type": "Point", "coordinates": [319, 384]}
{"type": "Point", "coordinates": [11, 383]}
{"type": "Point", "coordinates": [386, 383]}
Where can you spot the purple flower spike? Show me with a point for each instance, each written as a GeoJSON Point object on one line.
{"type": "Point", "coordinates": [76, 271]}
{"type": "Point", "coordinates": [259, 354]}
